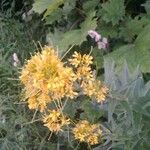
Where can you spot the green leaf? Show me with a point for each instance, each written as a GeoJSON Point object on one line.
{"type": "Point", "coordinates": [90, 5]}
{"type": "Point", "coordinates": [132, 28]}
{"type": "Point", "coordinates": [134, 54]}
{"type": "Point", "coordinates": [107, 30]}
{"type": "Point", "coordinates": [89, 23]}
{"type": "Point", "coordinates": [54, 16]}
{"type": "Point", "coordinates": [143, 40]}
{"type": "Point", "coordinates": [53, 11]}
{"type": "Point", "coordinates": [92, 112]}
{"type": "Point", "coordinates": [98, 58]}
{"type": "Point", "coordinates": [68, 6]}
{"type": "Point", "coordinates": [120, 55]}
{"type": "Point", "coordinates": [131, 107]}
{"type": "Point", "coordinates": [72, 37]}
{"type": "Point", "coordinates": [113, 11]}
{"type": "Point", "coordinates": [71, 108]}
{"type": "Point", "coordinates": [40, 6]}
{"type": "Point", "coordinates": [53, 6]}
{"type": "Point", "coordinates": [142, 105]}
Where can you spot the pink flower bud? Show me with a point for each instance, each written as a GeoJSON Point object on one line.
{"type": "Point", "coordinates": [15, 64]}
{"type": "Point", "coordinates": [97, 37]}
{"type": "Point", "coordinates": [94, 35]}
{"type": "Point", "coordinates": [15, 57]}
{"type": "Point", "coordinates": [101, 45]}
{"type": "Point", "coordinates": [104, 40]}
{"type": "Point", "coordinates": [101, 42]}
{"type": "Point", "coordinates": [91, 33]}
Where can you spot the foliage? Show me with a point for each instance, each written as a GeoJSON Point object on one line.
{"type": "Point", "coordinates": [128, 108]}
{"type": "Point", "coordinates": [48, 82]}
{"type": "Point", "coordinates": [113, 11]}
{"type": "Point", "coordinates": [16, 131]}
{"type": "Point", "coordinates": [124, 116]}
{"type": "Point", "coordinates": [113, 19]}
{"type": "Point", "coordinates": [73, 37]}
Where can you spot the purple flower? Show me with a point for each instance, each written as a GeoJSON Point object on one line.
{"type": "Point", "coordinates": [94, 35]}
{"type": "Point", "coordinates": [102, 43]}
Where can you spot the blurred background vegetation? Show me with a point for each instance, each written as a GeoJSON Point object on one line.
{"type": "Point", "coordinates": [65, 23]}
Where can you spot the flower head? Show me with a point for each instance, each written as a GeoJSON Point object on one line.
{"type": "Point", "coordinates": [86, 132]}
{"type": "Point", "coordinates": [94, 89]}
{"type": "Point", "coordinates": [46, 79]}
{"type": "Point", "coordinates": [82, 65]}
{"type": "Point", "coordinates": [79, 60]}
{"type": "Point", "coordinates": [55, 120]}
{"type": "Point", "coordinates": [102, 43]}
{"type": "Point", "coordinates": [101, 93]}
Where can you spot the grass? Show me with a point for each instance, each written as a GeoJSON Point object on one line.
{"type": "Point", "coordinates": [14, 134]}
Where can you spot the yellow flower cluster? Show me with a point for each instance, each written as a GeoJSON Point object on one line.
{"type": "Point", "coordinates": [90, 86]}
{"type": "Point", "coordinates": [95, 89]}
{"type": "Point", "coordinates": [55, 120]}
{"type": "Point", "coordinates": [79, 60]}
{"type": "Point", "coordinates": [85, 132]}
{"type": "Point", "coordinates": [82, 66]}
{"type": "Point", "coordinates": [46, 79]}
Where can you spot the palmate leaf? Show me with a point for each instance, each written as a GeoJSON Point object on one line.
{"type": "Point", "coordinates": [132, 27]}
{"type": "Point", "coordinates": [135, 54]}
{"type": "Point", "coordinates": [52, 10]}
{"type": "Point", "coordinates": [89, 5]}
{"type": "Point", "coordinates": [113, 11]}
{"type": "Point", "coordinates": [73, 37]}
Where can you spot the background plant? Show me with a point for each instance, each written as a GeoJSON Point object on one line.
{"type": "Point", "coordinates": [126, 26]}
{"type": "Point", "coordinates": [124, 23]}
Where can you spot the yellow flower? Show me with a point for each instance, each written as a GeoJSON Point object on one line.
{"type": "Point", "coordinates": [55, 120]}
{"type": "Point", "coordinates": [82, 66]}
{"type": "Point", "coordinates": [76, 60]}
{"type": "Point", "coordinates": [32, 104]}
{"type": "Point", "coordinates": [84, 72]}
{"type": "Point", "coordinates": [46, 75]}
{"type": "Point", "coordinates": [101, 93]}
{"type": "Point", "coordinates": [94, 89]}
{"type": "Point", "coordinates": [86, 132]}
{"type": "Point", "coordinates": [87, 59]}
{"type": "Point", "coordinates": [88, 88]}
{"type": "Point", "coordinates": [79, 60]}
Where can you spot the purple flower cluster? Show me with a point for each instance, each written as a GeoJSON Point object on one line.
{"type": "Point", "coordinates": [102, 43]}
